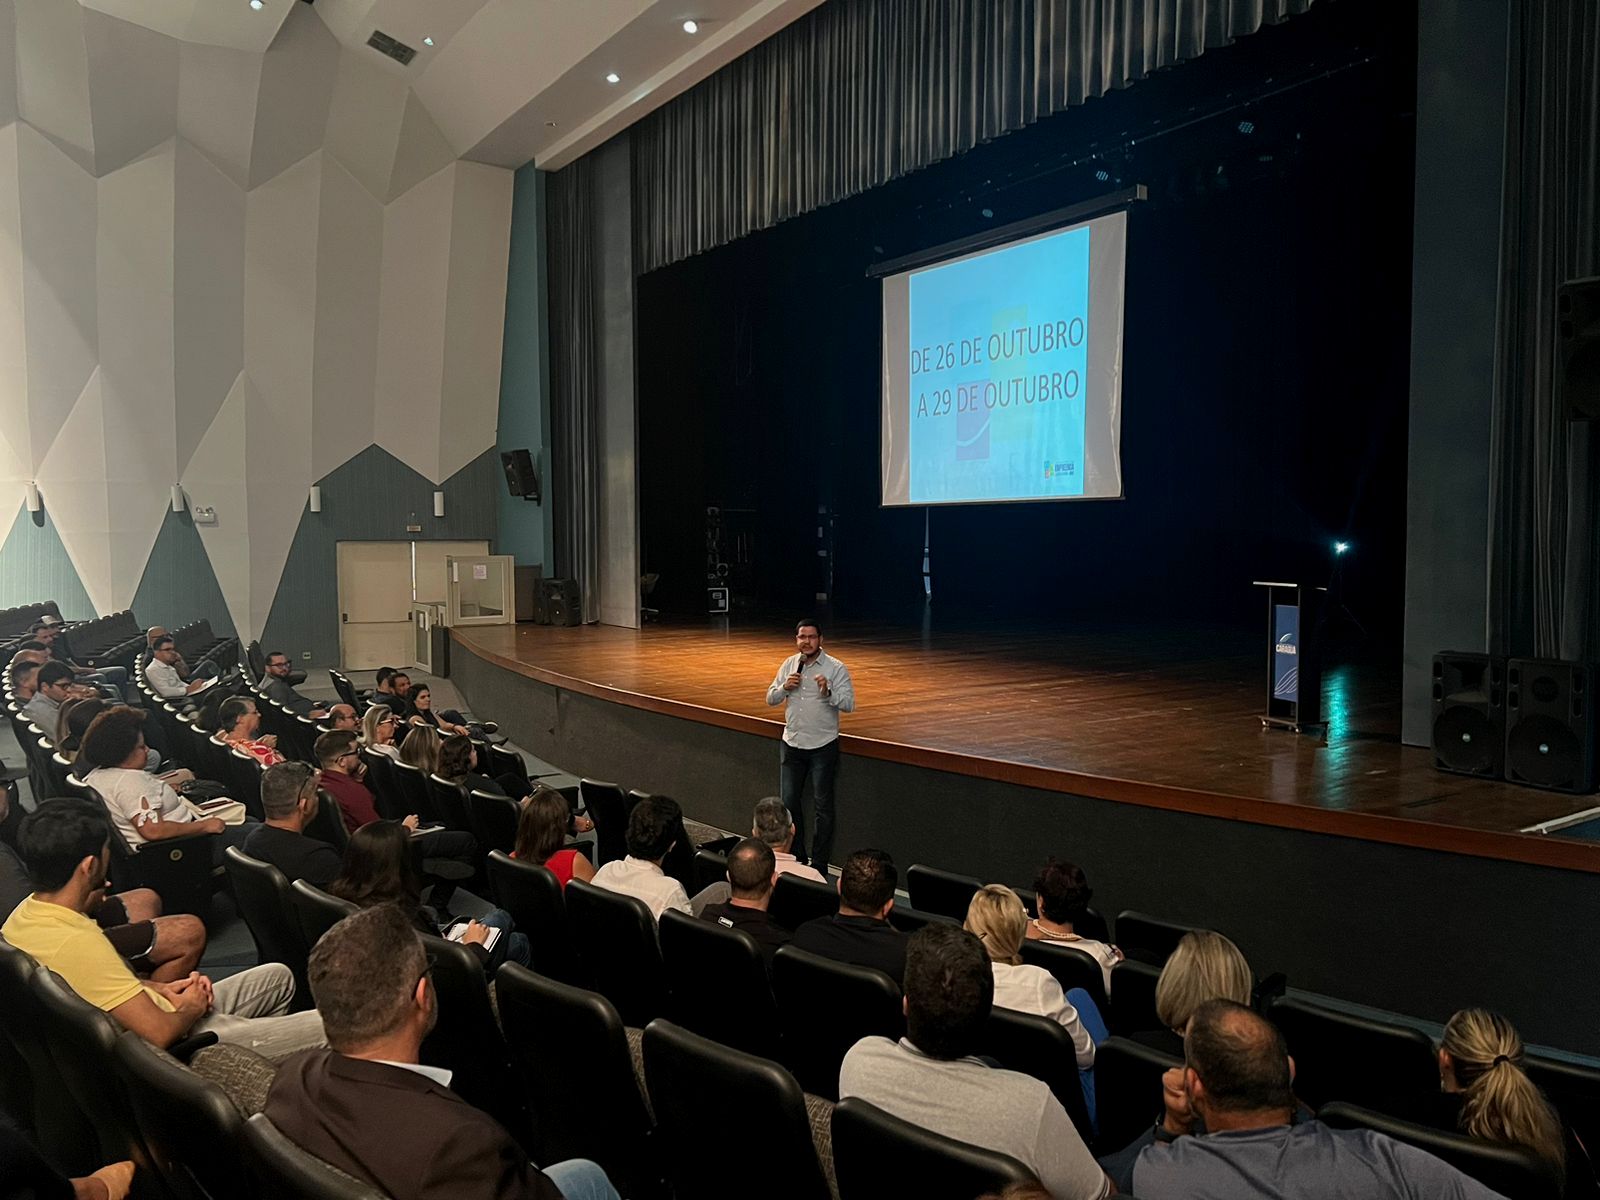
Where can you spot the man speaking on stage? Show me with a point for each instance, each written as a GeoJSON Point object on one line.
{"type": "Point", "coordinates": [816, 688]}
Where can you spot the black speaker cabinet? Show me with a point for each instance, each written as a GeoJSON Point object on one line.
{"type": "Point", "coordinates": [1469, 714]}
{"type": "Point", "coordinates": [1549, 725]}
{"type": "Point", "coordinates": [1578, 329]}
{"type": "Point", "coordinates": [561, 602]}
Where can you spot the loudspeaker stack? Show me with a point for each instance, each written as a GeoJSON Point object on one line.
{"type": "Point", "coordinates": [1526, 720]}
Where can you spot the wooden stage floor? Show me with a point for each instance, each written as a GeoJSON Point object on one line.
{"type": "Point", "coordinates": [1167, 719]}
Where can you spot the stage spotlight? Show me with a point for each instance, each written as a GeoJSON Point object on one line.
{"type": "Point", "coordinates": [613, 78]}
{"type": "Point", "coordinates": [1247, 127]}
{"type": "Point", "coordinates": [988, 213]}
{"type": "Point", "coordinates": [256, 4]}
{"type": "Point", "coordinates": [1341, 547]}
{"type": "Point", "coordinates": [691, 27]}
{"type": "Point", "coordinates": [1103, 175]}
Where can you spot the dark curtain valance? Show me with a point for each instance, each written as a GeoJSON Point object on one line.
{"type": "Point", "coordinates": [1545, 471]}
{"type": "Point", "coordinates": [861, 91]}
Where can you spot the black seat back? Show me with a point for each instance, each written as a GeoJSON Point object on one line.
{"type": "Point", "coordinates": [796, 901]}
{"type": "Point", "coordinates": [345, 689]}
{"type": "Point", "coordinates": [412, 785]}
{"type": "Point", "coordinates": [1574, 1089]}
{"type": "Point", "coordinates": [616, 935]}
{"type": "Point", "coordinates": [244, 782]}
{"type": "Point", "coordinates": [1133, 997]}
{"type": "Point", "coordinates": [1127, 1090]}
{"type": "Point", "coordinates": [1514, 1172]}
{"type": "Point", "coordinates": [908, 920]}
{"type": "Point", "coordinates": [263, 896]}
{"type": "Point", "coordinates": [943, 892]}
{"type": "Point", "coordinates": [709, 868]}
{"type": "Point", "coordinates": [532, 894]}
{"type": "Point", "coordinates": [316, 912]}
{"type": "Point", "coordinates": [493, 819]}
{"type": "Point", "coordinates": [190, 1127]}
{"type": "Point", "coordinates": [328, 825]}
{"type": "Point", "coordinates": [392, 803]}
{"type": "Point", "coordinates": [449, 802]}
{"type": "Point", "coordinates": [870, 1145]}
{"type": "Point", "coordinates": [61, 1126]}
{"type": "Point", "coordinates": [1040, 1047]}
{"type": "Point", "coordinates": [499, 760]}
{"type": "Point", "coordinates": [763, 1129]}
{"type": "Point", "coordinates": [826, 1008]}
{"type": "Point", "coordinates": [559, 1032]}
{"type": "Point", "coordinates": [607, 806]}
{"type": "Point", "coordinates": [718, 982]}
{"type": "Point", "coordinates": [283, 1171]}
{"type": "Point", "coordinates": [1072, 968]}
{"type": "Point", "coordinates": [1342, 1056]}
{"type": "Point", "coordinates": [1148, 938]}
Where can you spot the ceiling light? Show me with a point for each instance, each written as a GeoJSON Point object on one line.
{"type": "Point", "coordinates": [257, 5]}
{"type": "Point", "coordinates": [427, 41]}
{"type": "Point", "coordinates": [613, 78]}
{"type": "Point", "coordinates": [691, 26]}
{"type": "Point", "coordinates": [549, 124]}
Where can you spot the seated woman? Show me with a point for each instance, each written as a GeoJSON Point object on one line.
{"type": "Point", "coordinates": [421, 700]}
{"type": "Point", "coordinates": [381, 868]}
{"type": "Point", "coordinates": [1205, 966]}
{"type": "Point", "coordinates": [377, 730]}
{"type": "Point", "coordinates": [458, 762]}
{"type": "Point", "coordinates": [421, 749]}
{"type": "Point", "coordinates": [1063, 899]}
{"type": "Point", "coordinates": [75, 718]}
{"type": "Point", "coordinates": [998, 918]}
{"type": "Point", "coordinates": [143, 808]}
{"type": "Point", "coordinates": [542, 836]}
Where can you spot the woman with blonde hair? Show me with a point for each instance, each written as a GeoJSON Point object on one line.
{"type": "Point", "coordinates": [998, 918]}
{"type": "Point", "coordinates": [421, 749]}
{"type": "Point", "coordinates": [377, 730]}
{"type": "Point", "coordinates": [1205, 966]}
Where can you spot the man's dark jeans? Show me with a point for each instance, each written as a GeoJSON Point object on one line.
{"type": "Point", "coordinates": [821, 767]}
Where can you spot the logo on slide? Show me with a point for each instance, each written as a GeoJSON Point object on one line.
{"type": "Point", "coordinates": [972, 431]}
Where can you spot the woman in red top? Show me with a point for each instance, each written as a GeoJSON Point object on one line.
{"type": "Point", "coordinates": [542, 836]}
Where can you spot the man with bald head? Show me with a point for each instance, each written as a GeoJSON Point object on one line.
{"type": "Point", "coordinates": [1237, 1083]}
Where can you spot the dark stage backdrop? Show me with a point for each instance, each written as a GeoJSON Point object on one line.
{"type": "Point", "coordinates": [1265, 361]}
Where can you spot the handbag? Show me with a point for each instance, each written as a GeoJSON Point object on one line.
{"type": "Point", "coordinates": [230, 812]}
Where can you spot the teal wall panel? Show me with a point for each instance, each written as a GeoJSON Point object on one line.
{"type": "Point", "coordinates": [525, 527]}
{"type": "Point", "coordinates": [179, 585]}
{"type": "Point", "coordinates": [34, 566]}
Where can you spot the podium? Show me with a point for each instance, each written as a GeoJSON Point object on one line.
{"type": "Point", "coordinates": [1294, 657]}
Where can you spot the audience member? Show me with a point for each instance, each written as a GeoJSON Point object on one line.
{"type": "Point", "coordinates": [999, 920]}
{"type": "Point", "coordinates": [208, 719]}
{"type": "Point", "coordinates": [377, 730]}
{"type": "Point", "coordinates": [289, 799]}
{"type": "Point", "coordinates": [370, 1108]}
{"type": "Point", "coordinates": [167, 674]}
{"type": "Point", "coordinates": [933, 1079]}
{"type": "Point", "coordinates": [380, 867]}
{"type": "Point", "coordinates": [1205, 966]}
{"type": "Point", "coordinates": [52, 687]}
{"type": "Point", "coordinates": [860, 932]}
{"type": "Point", "coordinates": [110, 681]}
{"type": "Point", "coordinates": [774, 826]}
{"type": "Point", "coordinates": [421, 749]}
{"type": "Point", "coordinates": [751, 874]}
{"type": "Point", "coordinates": [240, 721]}
{"type": "Point", "coordinates": [421, 701]}
{"type": "Point", "coordinates": [163, 948]}
{"type": "Point", "coordinates": [75, 718]}
{"type": "Point", "coordinates": [1237, 1081]}
{"type": "Point", "coordinates": [275, 687]}
{"type": "Point", "coordinates": [343, 718]}
{"type": "Point", "coordinates": [143, 808]}
{"type": "Point", "coordinates": [458, 762]}
{"type": "Point", "coordinates": [28, 1175]}
{"type": "Point", "coordinates": [1064, 896]}
{"type": "Point", "coordinates": [66, 844]}
{"type": "Point", "coordinates": [383, 693]}
{"type": "Point", "coordinates": [542, 836]}
{"type": "Point", "coordinates": [652, 832]}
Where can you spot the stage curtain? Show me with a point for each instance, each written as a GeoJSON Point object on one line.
{"type": "Point", "coordinates": [858, 92]}
{"type": "Point", "coordinates": [574, 380]}
{"type": "Point", "coordinates": [1544, 471]}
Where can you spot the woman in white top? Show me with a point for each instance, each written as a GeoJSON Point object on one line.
{"type": "Point", "coordinates": [377, 730]}
{"type": "Point", "coordinates": [1000, 921]}
{"type": "Point", "coordinates": [142, 807]}
{"type": "Point", "coordinates": [1063, 899]}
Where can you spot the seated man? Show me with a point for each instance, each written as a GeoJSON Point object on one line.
{"type": "Point", "coordinates": [370, 1108]}
{"type": "Point", "coordinates": [774, 826]}
{"type": "Point", "coordinates": [111, 682]}
{"type": "Point", "coordinates": [860, 932]}
{"type": "Point", "coordinates": [53, 686]}
{"type": "Point", "coordinates": [167, 673]}
{"type": "Point", "coordinates": [652, 832]}
{"type": "Point", "coordinates": [750, 875]}
{"type": "Point", "coordinates": [66, 844]}
{"type": "Point", "coordinates": [384, 693]}
{"type": "Point", "coordinates": [289, 799]}
{"type": "Point", "coordinates": [162, 948]}
{"type": "Point", "coordinates": [931, 1079]}
{"type": "Point", "coordinates": [1237, 1080]}
{"type": "Point", "coordinates": [275, 686]}
{"type": "Point", "coordinates": [342, 717]}
{"type": "Point", "coordinates": [239, 722]}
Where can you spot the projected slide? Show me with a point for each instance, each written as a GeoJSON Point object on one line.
{"type": "Point", "coordinates": [1002, 372]}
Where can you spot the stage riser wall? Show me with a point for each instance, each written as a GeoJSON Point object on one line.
{"type": "Point", "coordinates": [1411, 930]}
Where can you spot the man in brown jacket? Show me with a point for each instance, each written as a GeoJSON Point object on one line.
{"type": "Point", "coordinates": [367, 1106]}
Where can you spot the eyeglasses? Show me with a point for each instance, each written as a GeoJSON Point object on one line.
{"type": "Point", "coordinates": [390, 721]}
{"type": "Point", "coordinates": [348, 754]}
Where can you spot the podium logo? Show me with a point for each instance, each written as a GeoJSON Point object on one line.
{"type": "Point", "coordinates": [1286, 645]}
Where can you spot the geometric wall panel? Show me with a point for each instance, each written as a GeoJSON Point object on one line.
{"type": "Point", "coordinates": [345, 358]}
{"type": "Point", "coordinates": [179, 584]}
{"type": "Point", "coordinates": [297, 78]}
{"type": "Point", "coordinates": [133, 89]}
{"type": "Point", "coordinates": [15, 451]}
{"type": "Point", "coordinates": [8, 67]}
{"type": "Point", "coordinates": [53, 76]}
{"type": "Point", "coordinates": [34, 565]}
{"type": "Point", "coordinates": [217, 89]}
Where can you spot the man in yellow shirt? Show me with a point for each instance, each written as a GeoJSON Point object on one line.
{"type": "Point", "coordinates": [66, 844]}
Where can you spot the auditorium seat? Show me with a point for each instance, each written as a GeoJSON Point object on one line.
{"type": "Point", "coordinates": [1575, 1091]}
{"type": "Point", "coordinates": [282, 1170]}
{"type": "Point", "coordinates": [493, 818]}
{"type": "Point", "coordinates": [607, 806]}
{"type": "Point", "coordinates": [944, 892]}
{"type": "Point", "coordinates": [499, 760]}
{"type": "Point", "coordinates": [1127, 1090]}
{"type": "Point", "coordinates": [616, 935]}
{"type": "Point", "coordinates": [533, 896]}
{"type": "Point", "coordinates": [571, 1054]}
{"type": "Point", "coordinates": [190, 1127]}
{"type": "Point", "coordinates": [179, 870]}
{"type": "Point", "coordinates": [1133, 998]}
{"type": "Point", "coordinates": [1360, 1060]}
{"type": "Point", "coordinates": [1149, 939]}
{"type": "Point", "coordinates": [265, 902]}
{"type": "Point", "coordinates": [762, 1130]}
{"type": "Point", "coordinates": [908, 920]}
{"type": "Point", "coordinates": [63, 1130]}
{"type": "Point", "coordinates": [826, 1008]}
{"type": "Point", "coordinates": [871, 1146]}
{"type": "Point", "coordinates": [718, 984]}
{"type": "Point", "coordinates": [346, 691]}
{"type": "Point", "coordinates": [1512, 1171]}
{"type": "Point", "coordinates": [1072, 968]}
{"type": "Point", "coordinates": [449, 802]}
{"type": "Point", "coordinates": [709, 868]}
{"type": "Point", "coordinates": [796, 901]}
{"type": "Point", "coordinates": [244, 782]}
{"type": "Point", "coordinates": [413, 788]}
{"type": "Point", "coordinates": [328, 825]}
{"type": "Point", "coordinates": [391, 802]}
{"type": "Point", "coordinates": [1040, 1047]}
{"type": "Point", "coordinates": [316, 912]}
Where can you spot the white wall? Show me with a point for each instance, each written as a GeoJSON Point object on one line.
{"type": "Point", "coordinates": [231, 269]}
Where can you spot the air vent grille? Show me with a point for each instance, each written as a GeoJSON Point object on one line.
{"type": "Point", "coordinates": [393, 47]}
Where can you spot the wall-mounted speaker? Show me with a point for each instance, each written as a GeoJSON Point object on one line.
{"type": "Point", "coordinates": [1549, 725]}
{"type": "Point", "coordinates": [1469, 713]}
{"type": "Point", "coordinates": [521, 477]}
{"type": "Point", "coordinates": [1578, 332]}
